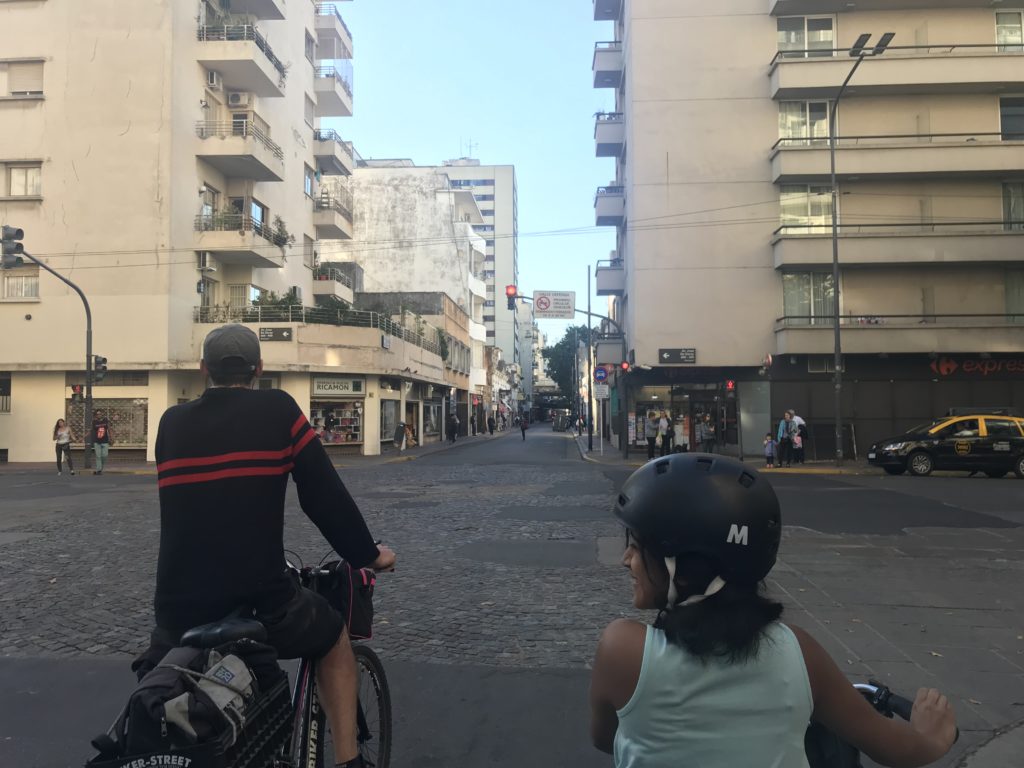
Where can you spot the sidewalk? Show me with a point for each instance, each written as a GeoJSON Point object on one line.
{"type": "Point", "coordinates": [391, 456]}
{"type": "Point", "coordinates": [1002, 750]}
{"type": "Point", "coordinates": [638, 457]}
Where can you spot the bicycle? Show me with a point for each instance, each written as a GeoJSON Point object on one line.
{"type": "Point", "coordinates": [826, 750]}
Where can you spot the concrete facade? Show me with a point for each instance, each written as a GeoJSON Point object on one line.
{"type": "Point", "coordinates": [173, 164]}
{"type": "Point", "coordinates": [722, 203]}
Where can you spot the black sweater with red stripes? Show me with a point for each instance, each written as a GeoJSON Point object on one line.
{"type": "Point", "coordinates": [223, 463]}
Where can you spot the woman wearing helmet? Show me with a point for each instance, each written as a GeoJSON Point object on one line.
{"type": "Point", "coordinates": [718, 680]}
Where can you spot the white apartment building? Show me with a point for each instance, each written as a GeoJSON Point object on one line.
{"type": "Point", "coordinates": [717, 146]}
{"type": "Point", "coordinates": [168, 157]}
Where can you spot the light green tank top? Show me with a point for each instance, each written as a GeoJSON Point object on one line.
{"type": "Point", "coordinates": [714, 714]}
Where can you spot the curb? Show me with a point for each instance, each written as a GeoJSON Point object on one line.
{"type": "Point", "coordinates": [1004, 748]}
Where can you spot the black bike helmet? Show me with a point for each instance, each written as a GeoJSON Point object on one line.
{"type": "Point", "coordinates": [704, 504]}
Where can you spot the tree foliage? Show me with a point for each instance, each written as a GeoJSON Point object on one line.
{"type": "Point", "coordinates": [561, 359]}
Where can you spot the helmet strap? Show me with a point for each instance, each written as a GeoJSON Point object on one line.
{"type": "Point", "coordinates": [673, 594]}
{"type": "Point", "coordinates": [714, 588]}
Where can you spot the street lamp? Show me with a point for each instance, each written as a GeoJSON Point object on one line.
{"type": "Point", "coordinates": [860, 51]}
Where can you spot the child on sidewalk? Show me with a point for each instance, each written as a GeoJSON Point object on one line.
{"type": "Point", "coordinates": [770, 449]}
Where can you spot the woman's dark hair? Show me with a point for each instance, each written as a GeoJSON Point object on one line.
{"type": "Point", "coordinates": [56, 426]}
{"type": "Point", "coordinates": [727, 625]}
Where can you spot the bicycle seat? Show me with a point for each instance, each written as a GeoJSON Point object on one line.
{"type": "Point", "coordinates": [225, 631]}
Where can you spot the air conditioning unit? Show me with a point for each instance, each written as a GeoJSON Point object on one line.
{"type": "Point", "coordinates": [204, 262]}
{"type": "Point", "coordinates": [213, 81]}
{"type": "Point", "coordinates": [239, 99]}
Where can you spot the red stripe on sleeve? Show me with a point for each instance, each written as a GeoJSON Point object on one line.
{"type": "Point", "coordinates": [299, 422]}
{"type": "Point", "coordinates": [303, 442]}
{"type": "Point", "coordinates": [223, 474]}
{"type": "Point", "coordinates": [224, 458]}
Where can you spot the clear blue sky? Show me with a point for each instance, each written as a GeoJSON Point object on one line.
{"type": "Point", "coordinates": [513, 77]}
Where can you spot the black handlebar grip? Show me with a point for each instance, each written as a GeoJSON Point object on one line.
{"type": "Point", "coordinates": [901, 706]}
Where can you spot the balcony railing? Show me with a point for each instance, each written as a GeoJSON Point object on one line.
{"type": "Point", "coordinates": [234, 222]}
{"type": "Point", "coordinates": [915, 227]}
{"type": "Point", "coordinates": [608, 45]}
{"type": "Point", "coordinates": [322, 134]}
{"type": "Point", "coordinates": [956, 49]}
{"type": "Point", "coordinates": [610, 191]}
{"type": "Point", "coordinates": [317, 316]}
{"type": "Point", "coordinates": [900, 139]}
{"type": "Point", "coordinates": [339, 201]}
{"type": "Point", "coordinates": [609, 117]}
{"type": "Point", "coordinates": [331, 9]}
{"type": "Point", "coordinates": [338, 75]}
{"type": "Point", "coordinates": [242, 32]}
{"type": "Point", "coordinates": [245, 129]}
{"type": "Point", "coordinates": [332, 273]}
{"type": "Point", "coordinates": [899, 321]}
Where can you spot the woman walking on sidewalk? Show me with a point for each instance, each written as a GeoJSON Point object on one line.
{"type": "Point", "coordinates": [62, 440]}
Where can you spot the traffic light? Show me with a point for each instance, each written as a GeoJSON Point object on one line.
{"type": "Point", "coordinates": [625, 366]}
{"type": "Point", "coordinates": [76, 393]}
{"type": "Point", "coordinates": [510, 293]}
{"type": "Point", "coordinates": [12, 248]}
{"type": "Point", "coordinates": [99, 368]}
{"type": "Point", "coordinates": [730, 388]}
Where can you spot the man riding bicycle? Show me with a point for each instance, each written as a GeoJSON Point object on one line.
{"type": "Point", "coordinates": [223, 463]}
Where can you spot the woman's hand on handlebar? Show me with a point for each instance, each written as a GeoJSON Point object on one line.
{"type": "Point", "coordinates": [933, 718]}
{"type": "Point", "coordinates": [385, 560]}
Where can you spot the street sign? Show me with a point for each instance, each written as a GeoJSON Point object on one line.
{"type": "Point", "coordinates": [602, 391]}
{"type": "Point", "coordinates": [554, 305]}
{"type": "Point", "coordinates": [677, 356]}
{"type": "Point", "coordinates": [600, 374]}
{"type": "Point", "coordinates": [275, 334]}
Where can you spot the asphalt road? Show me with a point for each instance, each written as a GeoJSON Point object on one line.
{"type": "Point", "coordinates": [508, 571]}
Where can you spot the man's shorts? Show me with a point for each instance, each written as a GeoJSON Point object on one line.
{"type": "Point", "coordinates": [304, 627]}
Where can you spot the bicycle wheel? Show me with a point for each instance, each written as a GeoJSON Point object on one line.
{"type": "Point", "coordinates": [374, 713]}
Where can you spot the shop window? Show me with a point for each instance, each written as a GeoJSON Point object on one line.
{"type": "Point", "coordinates": [432, 419]}
{"type": "Point", "coordinates": [388, 419]}
{"type": "Point", "coordinates": [5, 393]}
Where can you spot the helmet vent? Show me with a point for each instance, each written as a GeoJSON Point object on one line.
{"type": "Point", "coordinates": [662, 467]}
{"type": "Point", "coordinates": [705, 464]}
{"type": "Point", "coordinates": [623, 500]}
{"type": "Point", "coordinates": [746, 479]}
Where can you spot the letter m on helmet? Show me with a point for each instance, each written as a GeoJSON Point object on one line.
{"type": "Point", "coordinates": [738, 535]}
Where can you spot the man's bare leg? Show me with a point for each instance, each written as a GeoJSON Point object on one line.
{"type": "Point", "coordinates": [337, 682]}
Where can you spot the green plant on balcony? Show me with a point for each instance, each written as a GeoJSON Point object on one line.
{"type": "Point", "coordinates": [281, 236]}
{"type": "Point", "coordinates": [442, 343]}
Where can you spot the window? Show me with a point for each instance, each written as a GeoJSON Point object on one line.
{"type": "Point", "coordinates": [309, 112]}
{"type": "Point", "coordinates": [21, 285]}
{"type": "Point", "coordinates": [309, 178]}
{"type": "Point", "coordinates": [808, 298]}
{"type": "Point", "coordinates": [483, 227]}
{"type": "Point", "coordinates": [804, 120]}
{"type": "Point", "coordinates": [258, 212]}
{"type": "Point", "coordinates": [243, 295]}
{"type": "Point", "coordinates": [1002, 428]}
{"type": "Point", "coordinates": [489, 243]}
{"type": "Point", "coordinates": [483, 198]}
{"type": "Point", "coordinates": [24, 78]}
{"type": "Point", "coordinates": [805, 209]}
{"type": "Point", "coordinates": [211, 200]}
{"type": "Point", "coordinates": [308, 251]}
{"type": "Point", "coordinates": [489, 303]}
{"type": "Point", "coordinates": [1015, 295]}
{"type": "Point", "coordinates": [489, 318]}
{"type": "Point", "coordinates": [1011, 119]}
{"type": "Point", "coordinates": [207, 292]}
{"type": "Point", "coordinates": [5, 393]}
{"type": "Point", "coordinates": [1010, 32]}
{"type": "Point", "coordinates": [487, 211]}
{"type": "Point", "coordinates": [806, 36]}
{"type": "Point", "coordinates": [1013, 206]}
{"type": "Point", "coordinates": [310, 48]}
{"type": "Point", "coordinates": [24, 180]}
{"type": "Point", "coordinates": [962, 428]}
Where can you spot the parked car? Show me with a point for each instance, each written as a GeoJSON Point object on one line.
{"type": "Point", "coordinates": [981, 440]}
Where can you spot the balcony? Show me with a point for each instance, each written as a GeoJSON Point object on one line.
{"type": "Point", "coordinates": [477, 287]}
{"type": "Point", "coordinates": [903, 70]}
{"type": "Point", "coordinates": [234, 238]}
{"type": "Point", "coordinates": [922, 334]}
{"type": "Point", "coordinates": [331, 284]}
{"type": "Point", "coordinates": [332, 215]}
{"type": "Point", "coordinates": [608, 64]}
{"type": "Point", "coordinates": [333, 93]}
{"type": "Point", "coordinates": [607, 10]}
{"type": "Point", "coordinates": [610, 206]}
{"type": "Point", "coordinates": [610, 278]}
{"type": "Point", "coordinates": [609, 133]}
{"type": "Point", "coordinates": [333, 38]}
{"type": "Point", "coordinates": [268, 10]}
{"type": "Point", "coordinates": [947, 155]}
{"type": "Point", "coordinates": [801, 7]}
{"type": "Point", "coordinates": [243, 58]}
{"type": "Point", "coordinates": [240, 150]}
{"type": "Point", "coordinates": [898, 244]}
{"type": "Point", "coordinates": [333, 156]}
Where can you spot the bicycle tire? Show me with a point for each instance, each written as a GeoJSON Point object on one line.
{"type": "Point", "coordinates": [374, 693]}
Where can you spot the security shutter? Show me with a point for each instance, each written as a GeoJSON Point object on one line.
{"type": "Point", "coordinates": [24, 77]}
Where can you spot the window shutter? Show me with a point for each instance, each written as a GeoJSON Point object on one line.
{"type": "Point", "coordinates": [25, 77]}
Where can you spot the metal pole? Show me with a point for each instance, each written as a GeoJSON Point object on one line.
{"type": "Point", "coordinates": [836, 318]}
{"type": "Point", "coordinates": [590, 371]}
{"type": "Point", "coordinates": [87, 432]}
{"type": "Point", "coordinates": [600, 424]}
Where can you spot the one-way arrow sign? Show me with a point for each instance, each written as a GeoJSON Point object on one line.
{"type": "Point", "coordinates": [687, 356]}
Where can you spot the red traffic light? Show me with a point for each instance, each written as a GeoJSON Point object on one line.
{"type": "Point", "coordinates": [730, 385]}
{"type": "Point", "coordinates": [624, 366]}
{"type": "Point", "coordinates": [511, 291]}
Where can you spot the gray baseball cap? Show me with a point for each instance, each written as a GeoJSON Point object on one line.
{"type": "Point", "coordinates": [231, 349]}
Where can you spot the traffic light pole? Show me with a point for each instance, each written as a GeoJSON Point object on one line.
{"type": "Point", "coordinates": [590, 374]}
{"type": "Point", "coordinates": [87, 427]}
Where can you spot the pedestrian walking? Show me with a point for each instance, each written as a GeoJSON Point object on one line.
{"type": "Point", "coordinates": [101, 440]}
{"type": "Point", "coordinates": [770, 447]}
{"type": "Point", "coordinates": [472, 424]}
{"type": "Point", "coordinates": [62, 441]}
{"type": "Point", "coordinates": [664, 425]}
{"type": "Point", "coordinates": [802, 434]}
{"type": "Point", "coordinates": [707, 436]}
{"type": "Point", "coordinates": [651, 433]}
{"type": "Point", "coordinates": [490, 425]}
{"type": "Point", "coordinates": [784, 434]}
{"type": "Point", "coordinates": [523, 425]}
{"type": "Point", "coordinates": [453, 428]}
